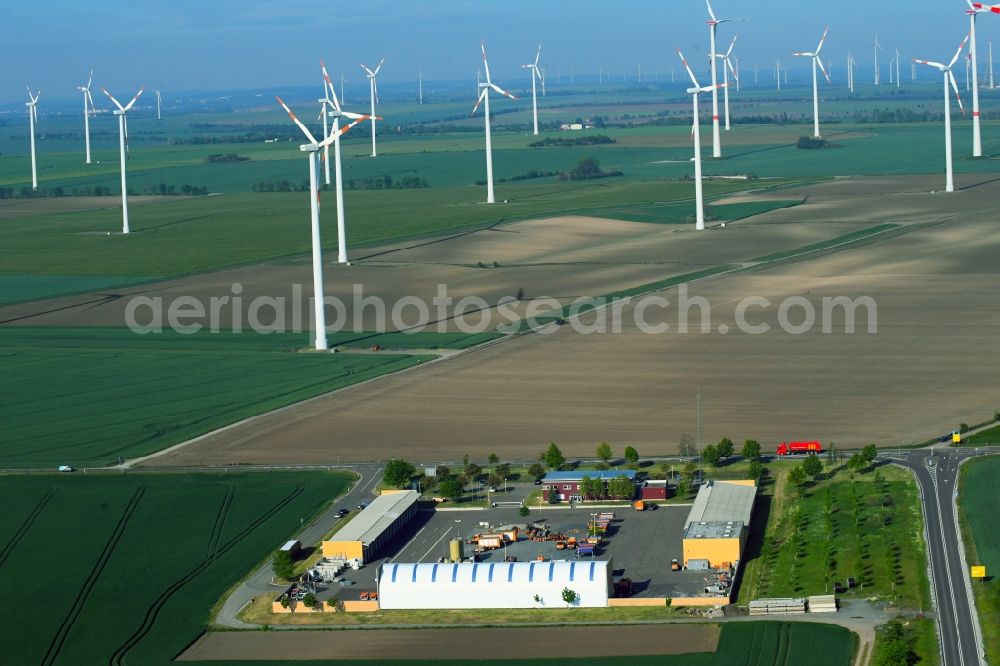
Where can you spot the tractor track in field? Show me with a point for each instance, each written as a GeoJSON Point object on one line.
{"type": "Point", "coordinates": [25, 526]}
{"type": "Point", "coordinates": [81, 597]}
{"type": "Point", "coordinates": [214, 552]}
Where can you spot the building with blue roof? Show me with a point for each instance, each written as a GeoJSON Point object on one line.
{"type": "Point", "coordinates": [566, 485]}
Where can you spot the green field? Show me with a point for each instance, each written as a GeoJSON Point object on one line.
{"type": "Point", "coordinates": [865, 528]}
{"type": "Point", "coordinates": [124, 569]}
{"type": "Point", "coordinates": [85, 397]}
{"type": "Point", "coordinates": [979, 496]}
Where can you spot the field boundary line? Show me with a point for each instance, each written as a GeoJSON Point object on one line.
{"type": "Point", "coordinates": [25, 526]}
{"type": "Point", "coordinates": [977, 629]}
{"type": "Point", "coordinates": [55, 647]}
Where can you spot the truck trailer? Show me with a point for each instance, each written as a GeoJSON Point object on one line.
{"type": "Point", "coordinates": [799, 448]}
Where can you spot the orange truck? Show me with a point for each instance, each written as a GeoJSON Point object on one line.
{"type": "Point", "coordinates": [640, 505]}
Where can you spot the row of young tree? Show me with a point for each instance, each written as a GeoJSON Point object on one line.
{"type": "Point", "coordinates": [812, 466]}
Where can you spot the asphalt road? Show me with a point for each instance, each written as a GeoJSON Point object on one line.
{"type": "Point", "coordinates": [259, 581]}
{"type": "Point", "coordinates": [937, 475]}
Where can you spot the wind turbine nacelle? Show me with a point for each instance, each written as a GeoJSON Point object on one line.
{"type": "Point", "coordinates": [118, 112]}
{"type": "Point", "coordinates": [309, 148]}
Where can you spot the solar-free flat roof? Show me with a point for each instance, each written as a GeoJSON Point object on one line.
{"type": "Point", "coordinates": [721, 502]}
{"type": "Point", "coordinates": [375, 518]}
{"type": "Point", "coordinates": [727, 530]}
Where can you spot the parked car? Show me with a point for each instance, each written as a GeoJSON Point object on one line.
{"type": "Point", "coordinates": [66, 468]}
{"type": "Point", "coordinates": [538, 481]}
{"type": "Point", "coordinates": [340, 513]}
{"type": "Point", "coordinates": [362, 505]}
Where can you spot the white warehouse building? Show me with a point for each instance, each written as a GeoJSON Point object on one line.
{"type": "Point", "coordinates": [494, 584]}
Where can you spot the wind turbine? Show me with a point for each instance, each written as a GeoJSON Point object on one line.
{"type": "Point", "coordinates": [332, 110]}
{"type": "Point", "coordinates": [699, 198]}
{"type": "Point", "coordinates": [313, 148]}
{"type": "Point", "coordinates": [420, 86]}
{"type": "Point", "coordinates": [992, 84]}
{"type": "Point", "coordinates": [32, 119]}
{"type": "Point", "coordinates": [484, 96]}
{"type": "Point", "coordinates": [850, 71]}
{"type": "Point", "coordinates": [777, 73]}
{"type": "Point", "coordinates": [342, 98]}
{"type": "Point", "coordinates": [816, 62]}
{"type": "Point", "coordinates": [88, 109]}
{"type": "Point", "coordinates": [877, 47]}
{"type": "Point", "coordinates": [897, 66]}
{"type": "Point", "coordinates": [976, 8]}
{"type": "Point", "coordinates": [123, 146]}
{"type": "Point", "coordinates": [713, 24]}
{"type": "Point", "coordinates": [157, 104]}
{"type": "Point", "coordinates": [727, 67]}
{"type": "Point", "coordinates": [324, 102]}
{"type": "Point", "coordinates": [535, 75]}
{"type": "Point", "coordinates": [949, 78]}
{"type": "Point", "coordinates": [374, 95]}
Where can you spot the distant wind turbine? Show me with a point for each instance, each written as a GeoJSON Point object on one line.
{"type": "Point", "coordinates": [949, 79]}
{"type": "Point", "coordinates": [817, 62]}
{"type": "Point", "coordinates": [88, 110]}
{"type": "Point", "coordinates": [123, 147]}
{"type": "Point", "coordinates": [373, 86]}
{"type": "Point", "coordinates": [158, 103]}
{"type": "Point", "coordinates": [699, 199]}
{"type": "Point", "coordinates": [484, 98]}
{"type": "Point", "coordinates": [713, 24]}
{"type": "Point", "coordinates": [727, 66]}
{"type": "Point", "coordinates": [32, 105]}
{"type": "Point", "coordinates": [535, 75]}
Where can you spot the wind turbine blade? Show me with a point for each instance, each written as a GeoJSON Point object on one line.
{"type": "Point", "coordinates": [710, 12]}
{"type": "Point", "coordinates": [486, 64]}
{"type": "Point", "coordinates": [822, 40]}
{"type": "Point", "coordinates": [732, 44]}
{"type": "Point", "coordinates": [92, 111]}
{"type": "Point", "coordinates": [90, 79]}
{"type": "Point", "coordinates": [364, 67]}
{"type": "Point", "coordinates": [479, 101]}
{"type": "Point", "coordinates": [959, 51]}
{"type": "Point", "coordinates": [729, 64]}
{"type": "Point", "coordinates": [111, 97]}
{"type": "Point", "coordinates": [375, 86]}
{"type": "Point", "coordinates": [331, 89]}
{"type": "Point", "coordinates": [687, 66]}
{"type": "Point", "coordinates": [356, 116]}
{"type": "Point", "coordinates": [378, 67]}
{"type": "Point", "coordinates": [125, 126]}
{"type": "Point", "coordinates": [501, 91]}
{"type": "Point", "coordinates": [343, 130]}
{"type": "Point", "coordinates": [538, 55]}
{"type": "Point", "coordinates": [305, 130]}
{"type": "Point", "coordinates": [819, 61]}
{"type": "Point", "coordinates": [804, 54]}
{"type": "Point", "coordinates": [954, 86]}
{"type": "Point", "coordinates": [134, 99]}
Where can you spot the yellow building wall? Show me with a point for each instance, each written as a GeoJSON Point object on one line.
{"type": "Point", "coordinates": [740, 482]}
{"type": "Point", "coordinates": [716, 551]}
{"type": "Point", "coordinates": [348, 549]}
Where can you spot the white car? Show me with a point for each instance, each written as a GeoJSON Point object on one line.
{"type": "Point", "coordinates": [66, 468]}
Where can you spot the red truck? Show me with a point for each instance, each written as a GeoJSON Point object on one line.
{"type": "Point", "coordinates": [795, 448]}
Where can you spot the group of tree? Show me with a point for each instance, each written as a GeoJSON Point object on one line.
{"type": "Point", "coordinates": [863, 459]}
{"type": "Point", "coordinates": [589, 169]}
{"type": "Point", "coordinates": [164, 190]}
{"type": "Point", "coordinates": [894, 644]}
{"type": "Point", "coordinates": [605, 454]}
{"type": "Point", "coordinates": [216, 158]}
{"type": "Point", "coordinates": [553, 457]}
{"type": "Point", "coordinates": [279, 186]}
{"type": "Point", "coordinates": [387, 182]}
{"type": "Point", "coordinates": [586, 140]}
{"type": "Point", "coordinates": [716, 454]}
{"type": "Point", "coordinates": [530, 175]}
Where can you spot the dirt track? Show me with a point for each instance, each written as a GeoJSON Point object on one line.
{"type": "Point", "coordinates": [455, 644]}
{"type": "Point", "coordinates": [932, 364]}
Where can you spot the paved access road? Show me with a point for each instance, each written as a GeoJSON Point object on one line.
{"type": "Point", "coordinates": [259, 581]}
{"type": "Point", "coordinates": [936, 471]}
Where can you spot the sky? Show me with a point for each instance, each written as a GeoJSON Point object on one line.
{"type": "Point", "coordinates": [251, 44]}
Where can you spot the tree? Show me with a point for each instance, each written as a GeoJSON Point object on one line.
{"type": "Point", "coordinates": [869, 453]}
{"type": "Point", "coordinates": [621, 487]}
{"type": "Point", "coordinates": [570, 597]}
{"type": "Point", "coordinates": [494, 459]}
{"type": "Point", "coordinates": [856, 463]}
{"type": "Point", "coordinates": [451, 488]}
{"type": "Point", "coordinates": [631, 455]}
{"type": "Point", "coordinates": [282, 565]}
{"type": "Point", "coordinates": [494, 480]}
{"type": "Point", "coordinates": [524, 511]}
{"type": "Point", "coordinates": [831, 453]}
{"type": "Point", "coordinates": [310, 600]}
{"type": "Point", "coordinates": [726, 448]}
{"type": "Point", "coordinates": [591, 488]}
{"type": "Point", "coordinates": [554, 457]}
{"type": "Point", "coordinates": [751, 450]}
{"type": "Point", "coordinates": [710, 454]}
{"type": "Point", "coordinates": [472, 471]}
{"type": "Point", "coordinates": [798, 476]}
{"type": "Point", "coordinates": [536, 470]}
{"type": "Point", "coordinates": [399, 473]}
{"type": "Point", "coordinates": [604, 452]}
{"type": "Point", "coordinates": [756, 470]}
{"type": "Point", "coordinates": [684, 486]}
{"type": "Point", "coordinates": [503, 470]}
{"type": "Point", "coordinates": [812, 466]}
{"type": "Point", "coordinates": [686, 446]}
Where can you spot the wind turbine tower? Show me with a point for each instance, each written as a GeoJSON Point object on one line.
{"type": "Point", "coordinates": [949, 79]}
{"type": "Point", "coordinates": [123, 147]}
{"type": "Point", "coordinates": [32, 105]}
{"type": "Point", "coordinates": [88, 109]}
{"type": "Point", "coordinates": [373, 86]}
{"type": "Point", "coordinates": [484, 99]}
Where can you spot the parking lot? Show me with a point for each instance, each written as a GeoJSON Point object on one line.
{"type": "Point", "coordinates": [640, 545]}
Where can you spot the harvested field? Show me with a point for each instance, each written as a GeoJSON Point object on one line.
{"type": "Point", "coordinates": [932, 363]}
{"type": "Point", "coordinates": [454, 644]}
{"type": "Point", "coordinates": [47, 205]}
